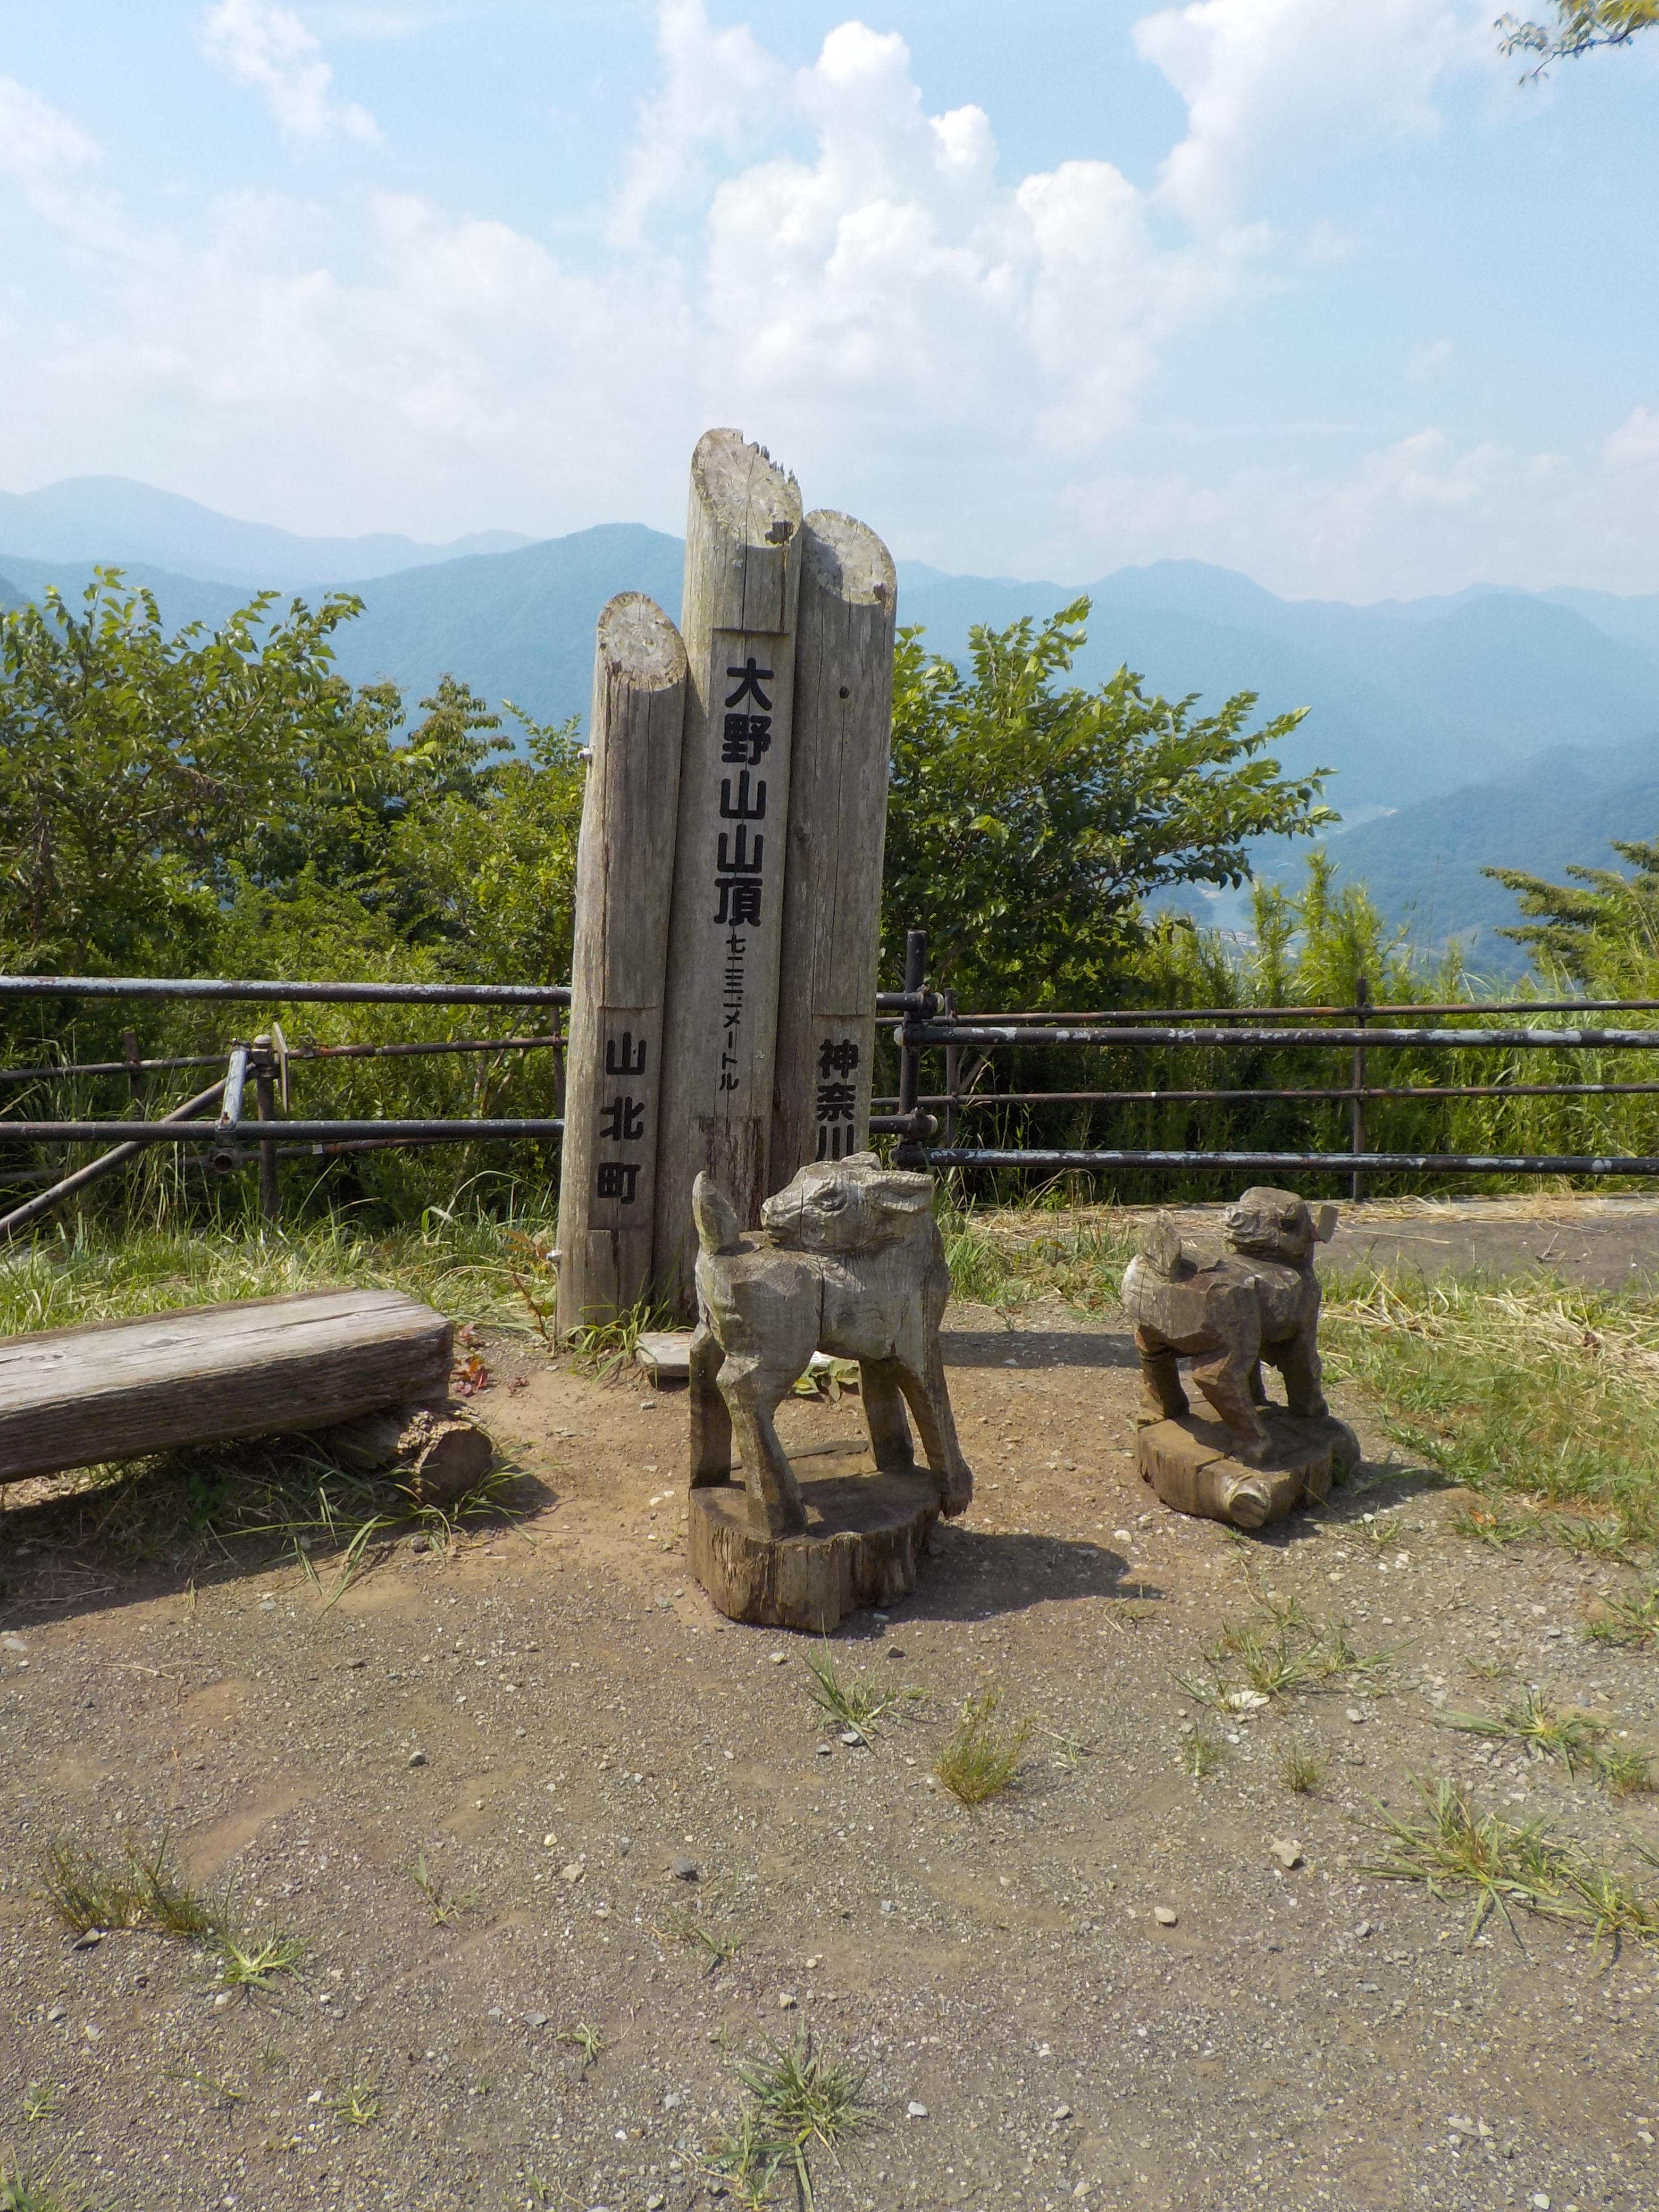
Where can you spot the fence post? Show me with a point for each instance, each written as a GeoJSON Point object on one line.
{"type": "Point", "coordinates": [838, 778]}
{"type": "Point", "coordinates": [952, 1073]}
{"type": "Point", "coordinates": [264, 1093]}
{"type": "Point", "coordinates": [725, 937]}
{"type": "Point", "coordinates": [612, 1067]}
{"type": "Point", "coordinates": [910, 1153]}
{"type": "Point", "coordinates": [1362, 994]}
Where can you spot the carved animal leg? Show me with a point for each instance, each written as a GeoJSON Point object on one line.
{"type": "Point", "coordinates": [930, 1404]}
{"type": "Point", "coordinates": [1225, 1382]}
{"type": "Point", "coordinates": [1162, 1398]}
{"type": "Point", "coordinates": [891, 1443]}
{"type": "Point", "coordinates": [752, 1397]}
{"type": "Point", "coordinates": [1234, 1322]}
{"type": "Point", "coordinates": [711, 1424]}
{"type": "Point", "coordinates": [1298, 1362]}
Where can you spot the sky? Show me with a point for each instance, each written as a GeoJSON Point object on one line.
{"type": "Point", "coordinates": [1321, 290]}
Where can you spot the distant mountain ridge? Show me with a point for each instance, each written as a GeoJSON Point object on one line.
{"type": "Point", "coordinates": [1490, 726]}
{"type": "Point", "coordinates": [115, 519]}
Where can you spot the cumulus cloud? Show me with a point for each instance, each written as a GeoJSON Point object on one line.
{"type": "Point", "coordinates": [815, 253]}
{"type": "Point", "coordinates": [268, 49]}
{"type": "Point", "coordinates": [1285, 86]}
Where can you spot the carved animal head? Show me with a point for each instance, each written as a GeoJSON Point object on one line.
{"type": "Point", "coordinates": [1275, 1225]}
{"type": "Point", "coordinates": [854, 1205]}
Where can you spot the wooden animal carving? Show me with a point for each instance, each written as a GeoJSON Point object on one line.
{"type": "Point", "coordinates": [1259, 1300]}
{"type": "Point", "coordinates": [850, 1262]}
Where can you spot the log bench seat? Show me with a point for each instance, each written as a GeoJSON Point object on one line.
{"type": "Point", "coordinates": [121, 1390]}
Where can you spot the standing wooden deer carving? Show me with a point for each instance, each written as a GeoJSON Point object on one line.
{"type": "Point", "coordinates": [850, 1262]}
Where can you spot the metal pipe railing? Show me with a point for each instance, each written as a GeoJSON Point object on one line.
{"type": "Point", "coordinates": [436, 1131]}
{"type": "Point", "coordinates": [269, 992]}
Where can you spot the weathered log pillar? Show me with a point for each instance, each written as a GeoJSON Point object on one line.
{"type": "Point", "coordinates": [624, 877]}
{"type": "Point", "coordinates": [742, 576]}
{"type": "Point", "coordinates": [837, 822]}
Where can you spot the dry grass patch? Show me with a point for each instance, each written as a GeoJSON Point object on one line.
{"type": "Point", "coordinates": [1542, 1398]}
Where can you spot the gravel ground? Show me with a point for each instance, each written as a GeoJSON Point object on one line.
{"type": "Point", "coordinates": [553, 1715]}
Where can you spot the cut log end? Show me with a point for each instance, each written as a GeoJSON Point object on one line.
{"type": "Point", "coordinates": [438, 1451]}
{"type": "Point", "coordinates": [863, 1547]}
{"type": "Point", "coordinates": [1188, 1463]}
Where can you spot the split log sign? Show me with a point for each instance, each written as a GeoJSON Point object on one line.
{"type": "Point", "coordinates": [728, 884]}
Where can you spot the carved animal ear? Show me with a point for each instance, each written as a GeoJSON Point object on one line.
{"type": "Point", "coordinates": [719, 1228]}
{"type": "Point", "coordinates": [1324, 1224]}
{"type": "Point", "coordinates": [1160, 1244]}
{"type": "Point", "coordinates": [902, 1193]}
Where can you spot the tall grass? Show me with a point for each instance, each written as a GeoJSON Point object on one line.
{"type": "Point", "coordinates": [459, 1260]}
{"type": "Point", "coordinates": [1309, 948]}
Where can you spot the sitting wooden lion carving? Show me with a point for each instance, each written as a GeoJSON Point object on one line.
{"type": "Point", "coordinates": [851, 1263]}
{"type": "Point", "coordinates": [1259, 1300]}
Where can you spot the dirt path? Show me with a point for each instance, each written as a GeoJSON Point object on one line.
{"type": "Point", "coordinates": [554, 1716]}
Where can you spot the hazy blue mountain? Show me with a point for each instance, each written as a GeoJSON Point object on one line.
{"type": "Point", "coordinates": [113, 518]}
{"type": "Point", "coordinates": [515, 626]}
{"type": "Point", "coordinates": [1485, 725]}
{"type": "Point", "coordinates": [1400, 706]}
{"type": "Point", "coordinates": [1561, 809]}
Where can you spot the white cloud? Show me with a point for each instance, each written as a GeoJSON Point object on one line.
{"type": "Point", "coordinates": [1426, 513]}
{"type": "Point", "coordinates": [1277, 88]}
{"type": "Point", "coordinates": [812, 252]}
{"type": "Point", "coordinates": [267, 48]}
{"type": "Point", "coordinates": [889, 272]}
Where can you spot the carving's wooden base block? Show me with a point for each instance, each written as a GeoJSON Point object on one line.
{"type": "Point", "coordinates": [1186, 1463]}
{"type": "Point", "coordinates": [866, 1536]}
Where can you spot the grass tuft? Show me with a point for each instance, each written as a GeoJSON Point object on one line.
{"type": "Point", "coordinates": [1628, 1619]}
{"type": "Point", "coordinates": [799, 2102]}
{"type": "Point", "coordinates": [858, 1704]}
{"type": "Point", "coordinates": [29, 2188]}
{"type": "Point", "coordinates": [1574, 1739]}
{"type": "Point", "coordinates": [718, 1949]}
{"type": "Point", "coordinates": [587, 2040]}
{"type": "Point", "coordinates": [359, 2105]}
{"type": "Point", "coordinates": [1201, 1753]}
{"type": "Point", "coordinates": [1569, 1737]}
{"type": "Point", "coordinates": [982, 1758]}
{"type": "Point", "coordinates": [1278, 1652]}
{"type": "Point", "coordinates": [1626, 1772]}
{"type": "Point", "coordinates": [251, 1962]}
{"type": "Point", "coordinates": [608, 1348]}
{"type": "Point", "coordinates": [1509, 1865]}
{"type": "Point", "coordinates": [444, 1909]}
{"type": "Point", "coordinates": [1303, 1770]}
{"type": "Point", "coordinates": [138, 1890]}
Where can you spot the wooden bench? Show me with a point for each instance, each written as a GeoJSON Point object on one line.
{"type": "Point", "coordinates": [120, 1389]}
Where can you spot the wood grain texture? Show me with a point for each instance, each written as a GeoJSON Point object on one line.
{"type": "Point", "coordinates": [1188, 1464]}
{"type": "Point", "coordinates": [72, 1397]}
{"type": "Point", "coordinates": [837, 823]}
{"type": "Point", "coordinates": [624, 883]}
{"type": "Point", "coordinates": [742, 577]}
{"type": "Point", "coordinates": [863, 1546]}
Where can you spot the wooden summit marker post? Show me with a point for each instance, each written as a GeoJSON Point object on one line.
{"type": "Point", "coordinates": [624, 874]}
{"type": "Point", "coordinates": [742, 577]}
{"type": "Point", "coordinates": [837, 826]}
